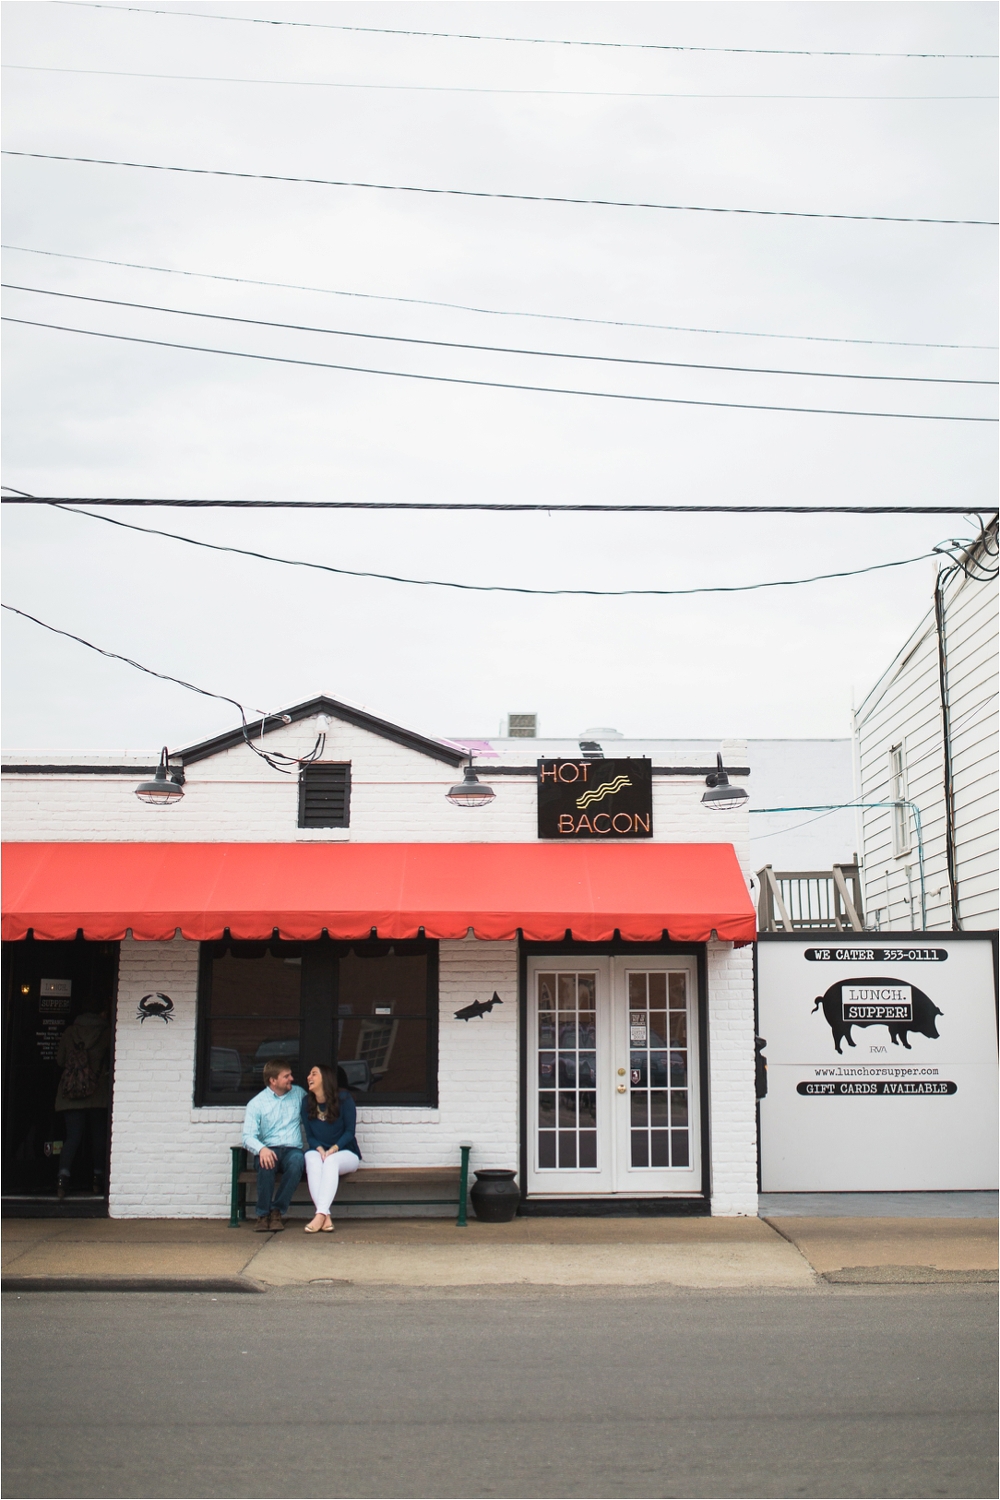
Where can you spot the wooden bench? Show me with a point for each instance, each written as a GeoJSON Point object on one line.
{"type": "Point", "coordinates": [356, 1189]}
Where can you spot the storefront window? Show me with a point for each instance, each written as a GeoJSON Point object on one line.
{"type": "Point", "coordinates": [382, 1041]}
{"type": "Point", "coordinates": [371, 1007]}
{"type": "Point", "coordinates": [251, 1012]}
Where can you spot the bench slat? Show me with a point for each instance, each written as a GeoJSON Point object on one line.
{"type": "Point", "coordinates": [390, 1177]}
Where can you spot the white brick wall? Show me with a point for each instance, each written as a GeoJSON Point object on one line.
{"type": "Point", "coordinates": [396, 795]}
{"type": "Point", "coordinates": [732, 1099]}
{"type": "Point", "coordinates": [161, 1165]}
{"type": "Point", "coordinates": [170, 1160]}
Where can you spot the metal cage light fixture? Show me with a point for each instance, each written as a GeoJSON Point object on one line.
{"type": "Point", "coordinates": [721, 794]}
{"type": "Point", "coordinates": [470, 791]}
{"type": "Point", "coordinates": [166, 787]}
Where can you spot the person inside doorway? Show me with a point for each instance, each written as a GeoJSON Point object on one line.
{"type": "Point", "coordinates": [328, 1119]}
{"type": "Point", "coordinates": [272, 1131]}
{"type": "Point", "coordinates": [82, 1095]}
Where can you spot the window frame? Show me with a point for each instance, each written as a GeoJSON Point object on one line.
{"type": "Point", "coordinates": [345, 765]}
{"type": "Point", "coordinates": [902, 833]}
{"type": "Point", "coordinates": [324, 949]}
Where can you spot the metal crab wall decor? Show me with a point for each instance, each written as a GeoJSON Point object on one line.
{"type": "Point", "coordinates": [157, 1005]}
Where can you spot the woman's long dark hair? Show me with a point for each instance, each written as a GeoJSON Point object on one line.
{"type": "Point", "coordinates": [330, 1091]}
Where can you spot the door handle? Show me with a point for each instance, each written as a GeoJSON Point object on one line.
{"type": "Point", "coordinates": [621, 1072]}
{"type": "Point", "coordinates": [622, 1089]}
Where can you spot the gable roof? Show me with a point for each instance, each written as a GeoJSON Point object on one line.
{"type": "Point", "coordinates": [450, 754]}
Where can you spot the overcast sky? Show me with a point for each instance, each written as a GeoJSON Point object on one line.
{"type": "Point", "coordinates": [87, 417]}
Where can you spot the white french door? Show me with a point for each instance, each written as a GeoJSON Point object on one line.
{"type": "Point", "coordinates": [613, 1094]}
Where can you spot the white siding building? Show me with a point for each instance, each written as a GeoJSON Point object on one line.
{"type": "Point", "coordinates": [926, 743]}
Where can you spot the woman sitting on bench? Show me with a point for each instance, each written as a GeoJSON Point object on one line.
{"type": "Point", "coordinates": [328, 1119]}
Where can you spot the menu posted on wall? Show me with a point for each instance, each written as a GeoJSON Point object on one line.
{"type": "Point", "coordinates": [595, 799]}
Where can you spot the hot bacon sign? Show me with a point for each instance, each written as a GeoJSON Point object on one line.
{"type": "Point", "coordinates": [595, 799]}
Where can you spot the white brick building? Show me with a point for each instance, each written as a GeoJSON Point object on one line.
{"type": "Point", "coordinates": [638, 1088]}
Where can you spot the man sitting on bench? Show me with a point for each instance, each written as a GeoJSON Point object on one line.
{"type": "Point", "coordinates": [272, 1131]}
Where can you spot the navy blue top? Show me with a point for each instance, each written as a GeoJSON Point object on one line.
{"type": "Point", "coordinates": [338, 1132]}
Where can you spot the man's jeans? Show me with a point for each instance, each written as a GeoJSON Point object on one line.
{"type": "Point", "coordinates": [290, 1160]}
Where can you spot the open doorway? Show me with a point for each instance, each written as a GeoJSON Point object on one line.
{"type": "Point", "coordinates": [57, 1076]}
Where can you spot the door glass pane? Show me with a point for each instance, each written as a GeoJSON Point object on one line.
{"type": "Point", "coordinates": [658, 1069]}
{"type": "Point", "coordinates": [659, 1155]}
{"type": "Point", "coordinates": [567, 1071]}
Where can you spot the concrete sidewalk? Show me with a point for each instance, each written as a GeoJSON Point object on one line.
{"type": "Point", "coordinates": [697, 1253]}
{"type": "Point", "coordinates": [895, 1250]}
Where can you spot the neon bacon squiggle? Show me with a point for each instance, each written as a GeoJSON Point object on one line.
{"type": "Point", "coordinates": [606, 789]}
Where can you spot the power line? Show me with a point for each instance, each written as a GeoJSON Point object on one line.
{"type": "Point", "coordinates": [502, 588]}
{"type": "Point", "coordinates": [276, 759]}
{"type": "Point", "coordinates": [22, 497]}
{"type": "Point", "coordinates": [437, 88]}
{"type": "Point", "coordinates": [114, 656]}
{"type": "Point", "coordinates": [395, 187]}
{"type": "Point", "coordinates": [499, 385]}
{"type": "Point", "coordinates": [544, 41]}
{"type": "Point", "coordinates": [395, 338]}
{"type": "Point", "coordinates": [498, 312]}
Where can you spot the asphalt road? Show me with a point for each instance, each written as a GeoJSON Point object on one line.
{"type": "Point", "coordinates": [330, 1392]}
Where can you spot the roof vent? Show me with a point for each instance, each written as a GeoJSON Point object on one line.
{"type": "Point", "coordinates": [522, 726]}
{"type": "Point", "coordinates": [603, 733]}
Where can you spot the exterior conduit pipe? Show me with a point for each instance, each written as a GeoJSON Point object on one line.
{"type": "Point", "coordinates": [841, 806]}
{"type": "Point", "coordinates": [947, 776]}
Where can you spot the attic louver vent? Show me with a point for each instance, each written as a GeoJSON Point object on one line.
{"type": "Point", "coordinates": [325, 795]}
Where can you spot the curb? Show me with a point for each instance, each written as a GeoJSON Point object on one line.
{"type": "Point", "coordinates": [906, 1276]}
{"type": "Point", "coordinates": [129, 1284]}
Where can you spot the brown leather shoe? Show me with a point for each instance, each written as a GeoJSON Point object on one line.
{"type": "Point", "coordinates": [263, 1224]}
{"type": "Point", "coordinates": [275, 1221]}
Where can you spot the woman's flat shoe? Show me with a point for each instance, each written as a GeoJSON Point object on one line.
{"type": "Point", "coordinates": [328, 1228]}
{"type": "Point", "coordinates": [313, 1228]}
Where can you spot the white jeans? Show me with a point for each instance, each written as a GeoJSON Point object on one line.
{"type": "Point", "coordinates": [324, 1176]}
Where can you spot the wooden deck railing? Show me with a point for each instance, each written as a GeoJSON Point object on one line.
{"type": "Point", "coordinates": [810, 900]}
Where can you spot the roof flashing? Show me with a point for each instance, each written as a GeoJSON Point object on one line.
{"type": "Point", "coordinates": [357, 717]}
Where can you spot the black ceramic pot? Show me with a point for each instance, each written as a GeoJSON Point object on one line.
{"type": "Point", "coordinates": [495, 1195]}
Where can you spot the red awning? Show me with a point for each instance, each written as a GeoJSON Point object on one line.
{"type": "Point", "coordinates": [640, 890]}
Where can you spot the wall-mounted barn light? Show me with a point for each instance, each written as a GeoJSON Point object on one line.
{"type": "Point", "coordinates": [164, 789]}
{"type": "Point", "coordinates": [721, 795]}
{"type": "Point", "coordinates": [470, 791]}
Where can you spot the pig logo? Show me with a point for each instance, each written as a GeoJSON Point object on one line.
{"type": "Point", "coordinates": [877, 1002]}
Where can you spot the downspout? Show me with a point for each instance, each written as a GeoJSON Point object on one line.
{"type": "Point", "coordinates": [949, 790]}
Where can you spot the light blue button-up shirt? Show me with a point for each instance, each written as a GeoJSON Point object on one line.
{"type": "Point", "coordinates": [273, 1119]}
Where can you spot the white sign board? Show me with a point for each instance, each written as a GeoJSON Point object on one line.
{"type": "Point", "coordinates": [882, 1063]}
